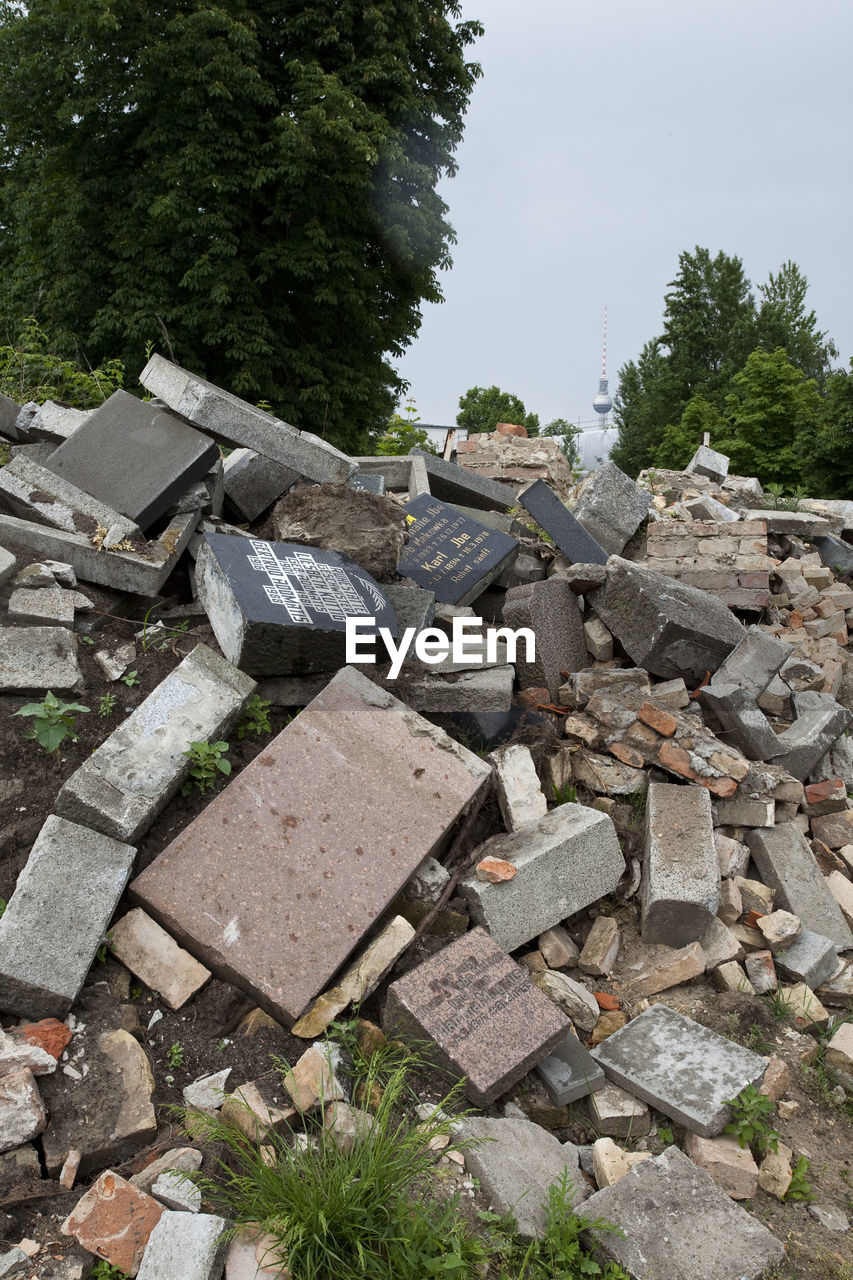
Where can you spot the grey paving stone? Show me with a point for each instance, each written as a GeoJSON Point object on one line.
{"type": "Point", "coordinates": [811, 959]}
{"type": "Point", "coordinates": [560, 524]}
{"type": "Point", "coordinates": [742, 719]}
{"type": "Point", "coordinates": [611, 507]}
{"type": "Point", "coordinates": [681, 872]}
{"type": "Point", "coordinates": [710, 463]}
{"type": "Point", "coordinates": [136, 458]}
{"type": "Point", "coordinates": [516, 1161]}
{"type": "Point", "coordinates": [566, 860]}
{"type": "Point", "coordinates": [37, 659]}
{"type": "Point", "coordinates": [680, 1067]}
{"type": "Point", "coordinates": [754, 662]}
{"type": "Point", "coordinates": [677, 1224]}
{"type": "Point", "coordinates": [215, 410]}
{"type": "Point", "coordinates": [253, 483]}
{"type": "Point", "coordinates": [185, 1246]}
{"type": "Point", "coordinates": [664, 626]}
{"type": "Point", "coordinates": [133, 775]}
{"type": "Point", "coordinates": [452, 483]}
{"type": "Point", "coordinates": [47, 605]}
{"type": "Point", "coordinates": [57, 917]}
{"type": "Point", "coordinates": [570, 1071]}
{"type": "Point", "coordinates": [812, 735]}
{"type": "Point", "coordinates": [550, 609]}
{"type": "Point", "coordinates": [787, 865]}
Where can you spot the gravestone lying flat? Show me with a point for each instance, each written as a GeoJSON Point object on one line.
{"type": "Point", "coordinates": [280, 608]}
{"type": "Point", "coordinates": [134, 457]}
{"type": "Point", "coordinates": [680, 1067]}
{"type": "Point", "coordinates": [277, 881]}
{"type": "Point", "coordinates": [558, 522]}
{"type": "Point", "coordinates": [486, 1019]}
{"type": "Point", "coordinates": [451, 554]}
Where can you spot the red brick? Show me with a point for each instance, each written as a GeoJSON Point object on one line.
{"type": "Point", "coordinates": [114, 1220]}
{"type": "Point", "coordinates": [511, 429]}
{"type": "Point", "coordinates": [662, 721]}
{"type": "Point", "coordinates": [626, 754]}
{"type": "Point", "coordinates": [50, 1034]}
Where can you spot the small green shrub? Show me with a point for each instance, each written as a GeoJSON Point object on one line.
{"type": "Point", "coordinates": [800, 1187]}
{"type": "Point", "coordinates": [256, 720]}
{"type": "Point", "coordinates": [53, 721]}
{"type": "Point", "coordinates": [206, 760]}
{"type": "Point", "coordinates": [175, 1056]}
{"type": "Point", "coordinates": [106, 704]}
{"type": "Point", "coordinates": [106, 1271]}
{"type": "Point", "coordinates": [30, 371]}
{"type": "Point", "coordinates": [750, 1110]}
{"type": "Point", "coordinates": [566, 794]}
{"type": "Point", "coordinates": [130, 679]}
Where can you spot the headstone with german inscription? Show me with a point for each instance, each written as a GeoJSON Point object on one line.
{"type": "Point", "coordinates": [280, 608]}
{"type": "Point", "coordinates": [485, 1018]}
{"type": "Point", "coordinates": [452, 554]}
{"type": "Point", "coordinates": [278, 880]}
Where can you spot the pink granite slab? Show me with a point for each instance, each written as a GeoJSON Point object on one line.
{"type": "Point", "coordinates": [277, 881]}
{"type": "Point", "coordinates": [486, 1019]}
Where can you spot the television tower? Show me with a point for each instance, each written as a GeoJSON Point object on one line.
{"type": "Point", "coordinates": [603, 402]}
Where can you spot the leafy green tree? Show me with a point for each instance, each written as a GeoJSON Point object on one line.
{"type": "Point", "coordinates": [482, 408]}
{"type": "Point", "coordinates": [642, 406]}
{"type": "Point", "coordinates": [784, 322]}
{"type": "Point", "coordinates": [680, 441]}
{"type": "Point", "coordinates": [29, 370]}
{"type": "Point", "coordinates": [775, 413]}
{"type": "Point", "coordinates": [568, 444]}
{"type": "Point", "coordinates": [251, 184]}
{"type": "Point", "coordinates": [402, 433]}
{"type": "Point", "coordinates": [829, 452]}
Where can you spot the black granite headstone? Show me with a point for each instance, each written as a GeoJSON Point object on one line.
{"type": "Point", "coordinates": [557, 521]}
{"type": "Point", "coordinates": [453, 483]}
{"type": "Point", "coordinates": [451, 554]}
{"type": "Point", "coordinates": [367, 482]}
{"type": "Point", "coordinates": [134, 457]}
{"type": "Point", "coordinates": [280, 608]}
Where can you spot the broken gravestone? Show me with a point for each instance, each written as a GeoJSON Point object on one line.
{"type": "Point", "coordinates": [576, 544]}
{"type": "Point", "coordinates": [134, 457]}
{"type": "Point", "coordinates": [278, 608]}
{"type": "Point", "coordinates": [452, 554]}
{"type": "Point", "coordinates": [277, 881]}
{"type": "Point", "coordinates": [481, 1012]}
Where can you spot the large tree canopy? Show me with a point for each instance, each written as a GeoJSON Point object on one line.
{"type": "Point", "coordinates": [482, 408]}
{"type": "Point", "coordinates": [750, 375]}
{"type": "Point", "coordinates": [251, 186]}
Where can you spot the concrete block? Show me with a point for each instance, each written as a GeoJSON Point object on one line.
{"type": "Point", "coordinates": [519, 793]}
{"type": "Point", "coordinates": [743, 720]}
{"type": "Point", "coordinates": [599, 641]}
{"type": "Point", "coordinates": [37, 493]}
{"type": "Point", "coordinates": [8, 565]}
{"type": "Point", "coordinates": [611, 507]}
{"type": "Point", "coordinates": [567, 860]}
{"type": "Point", "coordinates": [57, 917]}
{"type": "Point", "coordinates": [570, 1071]}
{"type": "Point", "coordinates": [225, 415]}
{"type": "Point", "coordinates": [812, 734]}
{"type": "Point", "coordinates": [754, 662]}
{"type": "Point", "coordinates": [35, 659]}
{"type": "Point", "coordinates": [667, 628]}
{"type": "Point", "coordinates": [680, 1067]}
{"type": "Point", "coordinates": [576, 1000]}
{"type": "Point", "coordinates": [681, 877]}
{"type": "Point", "coordinates": [22, 1112]}
{"type": "Point", "coordinates": [729, 1164]}
{"type": "Point", "coordinates": [188, 1245]}
{"type": "Point", "coordinates": [601, 947]}
{"type": "Point", "coordinates": [253, 483]}
{"type": "Point", "coordinates": [517, 1164]}
{"type": "Point", "coordinates": [550, 609]}
{"type": "Point", "coordinates": [811, 959]}
{"type": "Point", "coordinates": [48, 605]}
{"type": "Point", "coordinates": [617, 1113]}
{"type": "Point", "coordinates": [710, 463]}
{"type": "Point", "coordinates": [674, 968]}
{"type": "Point", "coordinates": [176, 1192]}
{"type": "Point", "coordinates": [133, 775]}
{"type": "Point", "coordinates": [787, 865]}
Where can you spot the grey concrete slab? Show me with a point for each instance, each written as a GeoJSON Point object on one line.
{"type": "Point", "coordinates": [677, 1224]}
{"type": "Point", "coordinates": [680, 1067]}
{"type": "Point", "coordinates": [8, 565]}
{"type": "Point", "coordinates": [680, 890]}
{"type": "Point", "coordinates": [551, 610]}
{"type": "Point", "coordinates": [143, 572]}
{"type": "Point", "coordinates": [407, 472]}
{"type": "Point", "coordinates": [133, 775]}
{"type": "Point", "coordinates": [565, 861]}
{"type": "Point", "coordinates": [710, 463]}
{"type": "Point", "coordinates": [56, 918]}
{"type": "Point", "coordinates": [570, 1071]}
{"type": "Point", "coordinates": [9, 411]}
{"type": "Point", "coordinates": [664, 626]}
{"type": "Point", "coordinates": [611, 507]}
{"type": "Point", "coordinates": [34, 492]}
{"type": "Point", "coordinates": [452, 483]}
{"type": "Point", "coordinates": [754, 662]}
{"type": "Point", "coordinates": [185, 1246]}
{"type": "Point", "coordinates": [516, 1161]}
{"type": "Point", "coordinates": [787, 865]}
{"type": "Point", "coordinates": [810, 958]}
{"type": "Point", "coordinates": [813, 733]}
{"type": "Point", "coordinates": [212, 409]}
{"type": "Point", "coordinates": [253, 483]}
{"type": "Point", "coordinates": [742, 719]}
{"type": "Point", "coordinates": [134, 457]}
{"type": "Point", "coordinates": [35, 659]}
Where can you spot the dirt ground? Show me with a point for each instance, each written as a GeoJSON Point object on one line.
{"type": "Point", "coordinates": [211, 1032]}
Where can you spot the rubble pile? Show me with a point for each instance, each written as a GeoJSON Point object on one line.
{"type": "Point", "coordinates": [597, 852]}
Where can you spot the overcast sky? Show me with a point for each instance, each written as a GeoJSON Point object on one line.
{"type": "Point", "coordinates": [605, 137]}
